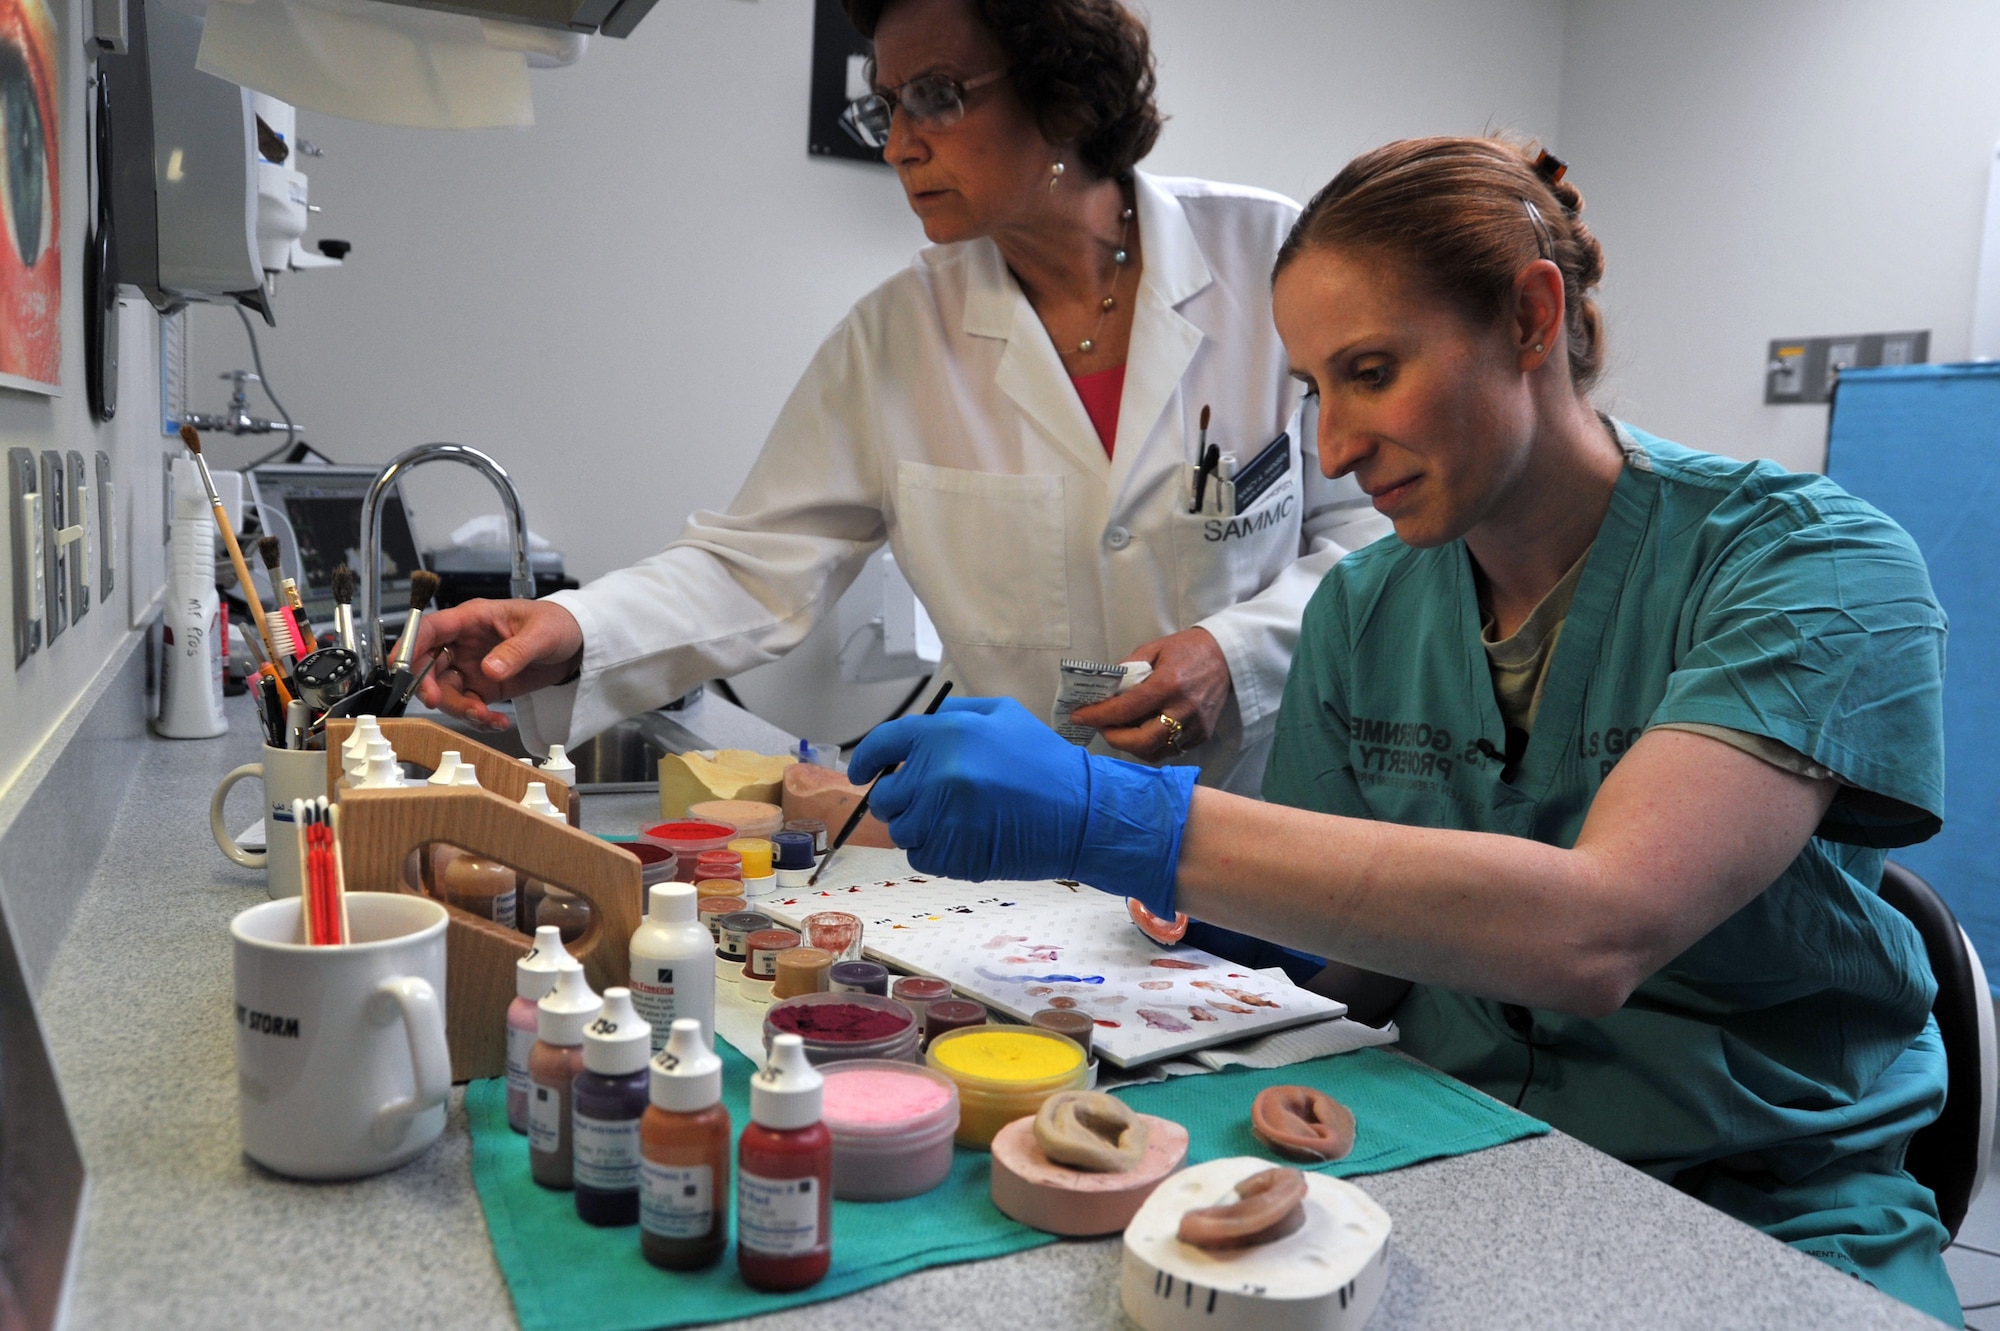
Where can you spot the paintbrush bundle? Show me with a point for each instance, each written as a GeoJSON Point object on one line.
{"type": "Point", "coordinates": [323, 902]}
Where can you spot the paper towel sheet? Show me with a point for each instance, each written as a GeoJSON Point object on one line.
{"type": "Point", "coordinates": [364, 60]}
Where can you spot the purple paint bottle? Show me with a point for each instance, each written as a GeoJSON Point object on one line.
{"type": "Point", "coordinates": [608, 1098]}
{"type": "Point", "coordinates": [534, 976]}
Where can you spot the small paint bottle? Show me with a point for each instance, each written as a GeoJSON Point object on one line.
{"type": "Point", "coordinates": [795, 860]}
{"type": "Point", "coordinates": [534, 976]}
{"type": "Point", "coordinates": [552, 1067]}
{"type": "Point", "coordinates": [607, 1098]}
{"type": "Point", "coordinates": [672, 963]}
{"type": "Point", "coordinates": [684, 1155]}
{"type": "Point", "coordinates": [951, 1014]}
{"type": "Point", "coordinates": [784, 1175]}
{"type": "Point", "coordinates": [568, 912]}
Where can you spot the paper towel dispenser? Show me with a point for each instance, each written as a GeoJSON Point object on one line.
{"type": "Point", "coordinates": [612, 18]}
{"type": "Point", "coordinates": [180, 181]}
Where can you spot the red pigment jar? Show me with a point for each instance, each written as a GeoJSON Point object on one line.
{"type": "Point", "coordinates": [838, 1027]}
{"type": "Point", "coordinates": [688, 838]}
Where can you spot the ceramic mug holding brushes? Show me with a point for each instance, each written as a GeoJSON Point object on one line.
{"type": "Point", "coordinates": [343, 1068]}
{"type": "Point", "coordinates": [287, 774]}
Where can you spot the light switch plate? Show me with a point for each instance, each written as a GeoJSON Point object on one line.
{"type": "Point", "coordinates": [55, 555]}
{"type": "Point", "coordinates": [1805, 370]}
{"type": "Point", "coordinates": [24, 519]}
{"type": "Point", "coordinates": [80, 551]}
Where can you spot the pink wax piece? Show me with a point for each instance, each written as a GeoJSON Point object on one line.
{"type": "Point", "coordinates": [868, 1096]}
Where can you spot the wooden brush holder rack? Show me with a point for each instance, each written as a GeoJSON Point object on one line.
{"type": "Point", "coordinates": [379, 829]}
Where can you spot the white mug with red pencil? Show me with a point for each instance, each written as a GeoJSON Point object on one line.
{"type": "Point", "coordinates": [342, 1060]}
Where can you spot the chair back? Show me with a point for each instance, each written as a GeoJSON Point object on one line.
{"type": "Point", "coordinates": [1949, 1155]}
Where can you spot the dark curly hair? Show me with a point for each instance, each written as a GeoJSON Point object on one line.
{"type": "Point", "coordinates": [1083, 67]}
{"type": "Point", "coordinates": [1456, 212]}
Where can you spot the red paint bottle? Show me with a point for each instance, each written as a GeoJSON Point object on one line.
{"type": "Point", "coordinates": [784, 1176]}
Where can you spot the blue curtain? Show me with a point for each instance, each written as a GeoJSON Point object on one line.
{"type": "Point", "coordinates": [1922, 443]}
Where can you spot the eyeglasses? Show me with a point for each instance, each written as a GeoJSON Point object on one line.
{"type": "Point", "coordinates": [932, 100]}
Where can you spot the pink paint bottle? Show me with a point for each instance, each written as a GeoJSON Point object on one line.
{"type": "Point", "coordinates": [534, 976]}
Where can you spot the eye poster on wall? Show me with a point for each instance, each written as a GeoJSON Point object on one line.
{"type": "Point", "coordinates": [30, 200]}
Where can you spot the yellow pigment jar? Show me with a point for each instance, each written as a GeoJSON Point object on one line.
{"type": "Point", "coordinates": [1004, 1073]}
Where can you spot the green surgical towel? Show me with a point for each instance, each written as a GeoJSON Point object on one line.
{"type": "Point", "coordinates": [569, 1276]}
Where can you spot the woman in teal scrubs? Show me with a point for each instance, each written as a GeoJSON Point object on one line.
{"type": "Point", "coordinates": [1600, 757]}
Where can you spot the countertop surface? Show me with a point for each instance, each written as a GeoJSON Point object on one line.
{"type": "Point", "coordinates": [183, 1231]}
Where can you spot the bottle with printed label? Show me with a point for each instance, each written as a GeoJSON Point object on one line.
{"type": "Point", "coordinates": [673, 964]}
{"type": "Point", "coordinates": [684, 1155]}
{"type": "Point", "coordinates": [534, 976]}
{"type": "Point", "coordinates": [607, 1099]}
{"type": "Point", "coordinates": [784, 1175]}
{"type": "Point", "coordinates": [542, 903]}
{"type": "Point", "coordinates": [552, 1067]}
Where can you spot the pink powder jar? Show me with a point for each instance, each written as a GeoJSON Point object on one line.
{"type": "Point", "coordinates": [892, 1126]}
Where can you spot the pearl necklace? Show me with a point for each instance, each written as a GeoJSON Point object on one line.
{"type": "Point", "coordinates": [1120, 256]}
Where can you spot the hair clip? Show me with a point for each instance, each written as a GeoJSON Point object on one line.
{"type": "Point", "coordinates": [1545, 244]}
{"type": "Point", "coordinates": [1550, 167]}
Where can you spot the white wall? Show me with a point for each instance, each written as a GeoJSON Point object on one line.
{"type": "Point", "coordinates": [1788, 168]}
{"type": "Point", "coordinates": [35, 698]}
{"type": "Point", "coordinates": [616, 302]}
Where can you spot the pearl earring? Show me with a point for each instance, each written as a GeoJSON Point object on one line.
{"type": "Point", "coordinates": [1538, 348]}
{"type": "Point", "coordinates": [1055, 175]}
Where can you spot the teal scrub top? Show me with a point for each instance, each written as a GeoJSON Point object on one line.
{"type": "Point", "coordinates": [1723, 592]}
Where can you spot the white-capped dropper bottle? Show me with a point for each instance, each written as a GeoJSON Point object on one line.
{"type": "Point", "coordinates": [534, 976]}
{"type": "Point", "coordinates": [784, 1175]}
{"type": "Point", "coordinates": [673, 963]}
{"type": "Point", "coordinates": [553, 1064]}
{"type": "Point", "coordinates": [609, 1096]}
{"type": "Point", "coordinates": [684, 1155]}
{"type": "Point", "coordinates": [540, 902]}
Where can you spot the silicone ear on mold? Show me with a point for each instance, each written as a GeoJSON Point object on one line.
{"type": "Point", "coordinates": [1268, 1206]}
{"type": "Point", "coordinates": [1090, 1130]}
{"type": "Point", "coordinates": [1301, 1123]}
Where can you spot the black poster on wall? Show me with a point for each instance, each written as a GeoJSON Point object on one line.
{"type": "Point", "coordinates": [839, 55]}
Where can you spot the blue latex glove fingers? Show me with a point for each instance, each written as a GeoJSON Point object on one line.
{"type": "Point", "coordinates": [986, 791]}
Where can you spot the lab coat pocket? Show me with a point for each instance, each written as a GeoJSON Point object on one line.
{"type": "Point", "coordinates": [986, 553]}
{"type": "Point", "coordinates": [1219, 560]}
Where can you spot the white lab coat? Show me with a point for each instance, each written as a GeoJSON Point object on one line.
{"type": "Point", "coordinates": [939, 418]}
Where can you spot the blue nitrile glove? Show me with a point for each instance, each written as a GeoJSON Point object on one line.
{"type": "Point", "coordinates": [988, 791]}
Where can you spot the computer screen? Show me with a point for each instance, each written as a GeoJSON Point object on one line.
{"type": "Point", "coordinates": [320, 508]}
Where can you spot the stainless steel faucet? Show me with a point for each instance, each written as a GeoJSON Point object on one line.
{"type": "Point", "coordinates": [523, 582]}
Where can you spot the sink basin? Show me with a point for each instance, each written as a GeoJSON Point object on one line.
{"type": "Point", "coordinates": [625, 757]}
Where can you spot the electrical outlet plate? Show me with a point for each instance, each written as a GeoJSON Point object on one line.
{"type": "Point", "coordinates": [55, 554]}
{"type": "Point", "coordinates": [25, 520]}
{"type": "Point", "coordinates": [1806, 369]}
{"type": "Point", "coordinates": [80, 561]}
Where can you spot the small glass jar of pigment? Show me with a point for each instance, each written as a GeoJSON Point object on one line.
{"type": "Point", "coordinates": [835, 930]}
{"type": "Point", "coordinates": [892, 1127]}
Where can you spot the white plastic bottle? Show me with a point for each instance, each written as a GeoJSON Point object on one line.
{"type": "Point", "coordinates": [673, 964]}
{"type": "Point", "coordinates": [194, 643]}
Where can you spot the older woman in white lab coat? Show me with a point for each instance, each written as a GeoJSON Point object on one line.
{"type": "Point", "coordinates": [1017, 414]}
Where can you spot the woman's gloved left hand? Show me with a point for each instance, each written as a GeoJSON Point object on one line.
{"type": "Point", "coordinates": [987, 791]}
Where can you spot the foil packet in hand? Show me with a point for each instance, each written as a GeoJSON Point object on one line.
{"type": "Point", "coordinates": [1081, 683]}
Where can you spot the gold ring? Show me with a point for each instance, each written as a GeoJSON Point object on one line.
{"type": "Point", "coordinates": [1174, 729]}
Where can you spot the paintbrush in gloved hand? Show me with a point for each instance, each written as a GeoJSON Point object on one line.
{"type": "Point", "coordinates": [402, 679]}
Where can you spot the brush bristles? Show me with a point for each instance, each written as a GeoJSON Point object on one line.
{"type": "Point", "coordinates": [343, 585]}
{"type": "Point", "coordinates": [267, 550]}
{"type": "Point", "coordinates": [423, 586]}
{"type": "Point", "coordinates": [192, 438]}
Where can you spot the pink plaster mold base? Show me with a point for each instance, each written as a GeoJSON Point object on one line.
{"type": "Point", "coordinates": [1075, 1203]}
